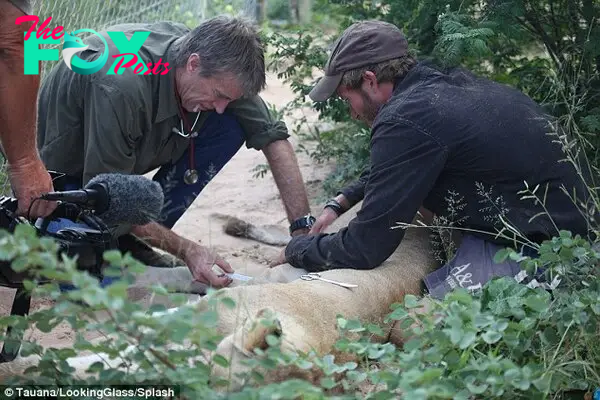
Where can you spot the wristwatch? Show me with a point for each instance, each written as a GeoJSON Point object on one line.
{"type": "Point", "coordinates": [335, 206]}
{"type": "Point", "coordinates": [305, 222]}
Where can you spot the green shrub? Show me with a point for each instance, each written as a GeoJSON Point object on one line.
{"type": "Point", "coordinates": [505, 341]}
{"type": "Point", "coordinates": [549, 50]}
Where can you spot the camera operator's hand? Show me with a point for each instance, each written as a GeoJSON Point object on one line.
{"type": "Point", "coordinates": [200, 261]}
{"type": "Point", "coordinates": [30, 179]}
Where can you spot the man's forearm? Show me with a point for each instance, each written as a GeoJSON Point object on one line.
{"type": "Point", "coordinates": [18, 92]}
{"type": "Point", "coordinates": [288, 178]}
{"type": "Point", "coordinates": [165, 239]}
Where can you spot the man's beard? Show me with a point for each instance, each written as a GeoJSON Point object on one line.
{"type": "Point", "coordinates": [370, 109]}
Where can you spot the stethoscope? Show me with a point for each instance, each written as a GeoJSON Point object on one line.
{"type": "Point", "coordinates": [190, 176]}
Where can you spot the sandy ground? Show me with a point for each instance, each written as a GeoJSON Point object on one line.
{"type": "Point", "coordinates": [234, 191]}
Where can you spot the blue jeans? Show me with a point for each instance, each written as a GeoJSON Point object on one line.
{"type": "Point", "coordinates": [217, 142]}
{"type": "Point", "coordinates": [473, 266]}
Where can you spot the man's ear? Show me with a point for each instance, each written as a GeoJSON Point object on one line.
{"type": "Point", "coordinates": [369, 83]}
{"type": "Point", "coordinates": [193, 64]}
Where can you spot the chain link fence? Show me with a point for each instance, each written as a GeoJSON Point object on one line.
{"type": "Point", "coordinates": [99, 14]}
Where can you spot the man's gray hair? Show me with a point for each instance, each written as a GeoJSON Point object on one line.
{"type": "Point", "coordinates": [226, 45]}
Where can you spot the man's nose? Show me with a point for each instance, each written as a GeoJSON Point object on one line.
{"type": "Point", "coordinates": [220, 106]}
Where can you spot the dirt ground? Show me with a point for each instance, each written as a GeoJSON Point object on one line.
{"type": "Point", "coordinates": [234, 192]}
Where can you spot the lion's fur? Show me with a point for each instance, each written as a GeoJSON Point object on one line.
{"type": "Point", "coordinates": [305, 311]}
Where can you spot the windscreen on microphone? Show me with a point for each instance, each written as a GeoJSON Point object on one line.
{"type": "Point", "coordinates": [132, 199]}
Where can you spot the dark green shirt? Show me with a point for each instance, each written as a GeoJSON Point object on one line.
{"type": "Point", "coordinates": [99, 123]}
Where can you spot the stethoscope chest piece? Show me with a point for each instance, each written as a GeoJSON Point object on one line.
{"type": "Point", "coordinates": [190, 176]}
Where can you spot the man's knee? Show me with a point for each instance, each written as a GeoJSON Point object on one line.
{"type": "Point", "coordinates": [471, 268]}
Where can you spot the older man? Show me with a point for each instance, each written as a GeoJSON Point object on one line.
{"type": "Point", "coordinates": [27, 174]}
{"type": "Point", "coordinates": [187, 114]}
{"type": "Point", "coordinates": [448, 141]}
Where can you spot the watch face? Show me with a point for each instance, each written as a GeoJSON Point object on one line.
{"type": "Point", "coordinates": [303, 222]}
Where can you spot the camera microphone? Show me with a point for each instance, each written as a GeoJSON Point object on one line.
{"type": "Point", "coordinates": [94, 196]}
{"type": "Point", "coordinates": [117, 198]}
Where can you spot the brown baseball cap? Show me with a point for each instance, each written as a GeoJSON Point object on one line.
{"type": "Point", "coordinates": [361, 44]}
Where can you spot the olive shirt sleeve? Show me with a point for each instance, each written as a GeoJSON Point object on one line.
{"type": "Point", "coordinates": [405, 163]}
{"type": "Point", "coordinates": [110, 131]}
{"type": "Point", "coordinates": [257, 122]}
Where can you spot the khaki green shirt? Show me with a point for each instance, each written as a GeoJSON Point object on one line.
{"type": "Point", "coordinates": [99, 123]}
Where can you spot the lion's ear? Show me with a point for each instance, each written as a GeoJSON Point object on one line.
{"type": "Point", "coordinates": [257, 330]}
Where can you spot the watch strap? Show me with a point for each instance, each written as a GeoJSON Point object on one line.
{"type": "Point", "coordinates": [335, 206]}
{"type": "Point", "coordinates": [305, 222]}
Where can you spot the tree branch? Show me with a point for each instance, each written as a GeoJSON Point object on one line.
{"type": "Point", "coordinates": [557, 57]}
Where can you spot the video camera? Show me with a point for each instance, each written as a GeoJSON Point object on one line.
{"type": "Point", "coordinates": [78, 232]}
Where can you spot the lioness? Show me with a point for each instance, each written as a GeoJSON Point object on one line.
{"type": "Point", "coordinates": [304, 311]}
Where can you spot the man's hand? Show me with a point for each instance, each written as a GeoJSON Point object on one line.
{"type": "Point", "coordinates": [280, 259]}
{"type": "Point", "coordinates": [30, 179]}
{"type": "Point", "coordinates": [198, 258]}
{"type": "Point", "coordinates": [200, 261]}
{"type": "Point", "coordinates": [325, 219]}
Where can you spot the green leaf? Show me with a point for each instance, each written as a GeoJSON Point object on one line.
{"type": "Point", "coordinates": [455, 334]}
{"type": "Point", "coordinates": [543, 383]}
{"type": "Point", "coordinates": [375, 329]}
{"type": "Point", "coordinates": [411, 301]}
{"type": "Point", "coordinates": [564, 234]}
{"type": "Point", "coordinates": [501, 255]}
{"type": "Point", "coordinates": [113, 257]}
{"type": "Point", "coordinates": [220, 360]}
{"type": "Point", "coordinates": [356, 376]}
{"type": "Point", "coordinates": [549, 336]}
{"type": "Point", "coordinates": [398, 314]}
{"type": "Point", "coordinates": [228, 302]}
{"type": "Point", "coordinates": [354, 325]}
{"type": "Point", "coordinates": [461, 296]}
{"type": "Point", "coordinates": [181, 333]}
{"type": "Point", "coordinates": [500, 325]}
{"type": "Point", "coordinates": [350, 365]}
{"type": "Point", "coordinates": [491, 337]}
{"type": "Point", "coordinates": [467, 339]}
{"type": "Point", "coordinates": [512, 374]}
{"type": "Point", "coordinates": [430, 375]}
{"type": "Point", "coordinates": [304, 364]}
{"type": "Point", "coordinates": [536, 303]}
{"type": "Point", "coordinates": [328, 383]}
{"type": "Point", "coordinates": [65, 353]}
{"type": "Point", "coordinates": [568, 242]}
{"type": "Point", "coordinates": [47, 324]}
{"type": "Point", "coordinates": [477, 389]}
{"type": "Point", "coordinates": [272, 340]}
{"type": "Point", "coordinates": [209, 318]}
